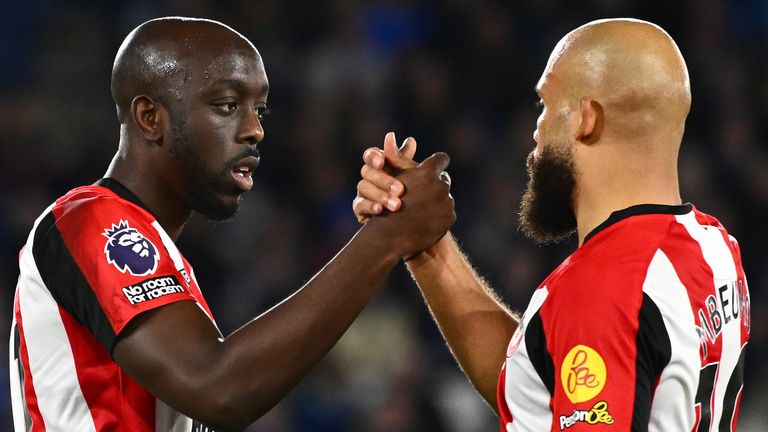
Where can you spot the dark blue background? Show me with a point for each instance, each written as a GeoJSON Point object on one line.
{"type": "Point", "coordinates": [456, 74]}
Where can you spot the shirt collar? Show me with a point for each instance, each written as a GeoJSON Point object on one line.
{"type": "Point", "coordinates": [640, 209]}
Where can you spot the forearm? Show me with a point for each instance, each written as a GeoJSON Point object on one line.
{"type": "Point", "coordinates": [271, 354]}
{"type": "Point", "coordinates": [474, 322]}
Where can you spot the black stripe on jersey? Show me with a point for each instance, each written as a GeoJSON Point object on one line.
{"type": "Point", "coordinates": [637, 210]}
{"type": "Point", "coordinates": [654, 351]}
{"type": "Point", "coordinates": [20, 371]}
{"type": "Point", "coordinates": [731, 392]}
{"type": "Point", "coordinates": [707, 376]}
{"type": "Point", "coordinates": [16, 340]}
{"type": "Point", "coordinates": [66, 282]}
{"type": "Point", "coordinates": [536, 345]}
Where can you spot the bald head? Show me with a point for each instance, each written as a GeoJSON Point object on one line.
{"type": "Point", "coordinates": [632, 68]}
{"type": "Point", "coordinates": [162, 56]}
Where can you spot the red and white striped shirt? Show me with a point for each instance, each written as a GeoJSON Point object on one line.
{"type": "Point", "coordinates": [642, 328]}
{"type": "Point", "coordinates": [95, 259]}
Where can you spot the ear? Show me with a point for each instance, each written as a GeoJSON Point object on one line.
{"type": "Point", "coordinates": [592, 120]}
{"type": "Point", "coordinates": [148, 116]}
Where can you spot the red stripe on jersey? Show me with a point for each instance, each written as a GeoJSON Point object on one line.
{"type": "Point", "coordinates": [697, 419]}
{"type": "Point", "coordinates": [504, 415]}
{"type": "Point", "coordinates": [30, 397]}
{"type": "Point", "coordinates": [705, 219]}
{"type": "Point", "coordinates": [96, 374]}
{"type": "Point", "coordinates": [737, 408]}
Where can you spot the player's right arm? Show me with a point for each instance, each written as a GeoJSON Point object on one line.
{"type": "Point", "coordinates": [473, 321]}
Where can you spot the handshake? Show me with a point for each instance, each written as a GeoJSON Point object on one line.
{"type": "Point", "coordinates": [409, 203]}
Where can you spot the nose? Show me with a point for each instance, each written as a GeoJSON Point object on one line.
{"type": "Point", "coordinates": [251, 131]}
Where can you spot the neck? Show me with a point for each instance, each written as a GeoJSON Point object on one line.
{"type": "Point", "coordinates": [589, 216]}
{"type": "Point", "coordinates": [621, 182]}
{"type": "Point", "coordinates": [141, 178]}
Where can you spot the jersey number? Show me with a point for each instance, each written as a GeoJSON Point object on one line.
{"type": "Point", "coordinates": [704, 402]}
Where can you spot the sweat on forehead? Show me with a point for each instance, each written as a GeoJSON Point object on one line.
{"type": "Point", "coordinates": [157, 51]}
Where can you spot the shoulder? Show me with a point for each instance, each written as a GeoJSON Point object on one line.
{"type": "Point", "coordinates": [90, 221]}
{"type": "Point", "coordinates": [93, 202]}
{"type": "Point", "coordinates": [603, 280]}
{"type": "Point", "coordinates": [609, 265]}
{"type": "Point", "coordinates": [92, 210]}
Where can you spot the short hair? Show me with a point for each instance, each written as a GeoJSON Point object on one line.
{"type": "Point", "coordinates": [157, 51]}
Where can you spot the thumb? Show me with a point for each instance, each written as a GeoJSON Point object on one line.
{"type": "Point", "coordinates": [408, 149]}
{"type": "Point", "coordinates": [437, 163]}
{"type": "Point", "coordinates": [394, 157]}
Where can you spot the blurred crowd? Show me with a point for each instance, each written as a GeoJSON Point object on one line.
{"type": "Point", "coordinates": [456, 74]}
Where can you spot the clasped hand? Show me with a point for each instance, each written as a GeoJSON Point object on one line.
{"type": "Point", "coordinates": [414, 196]}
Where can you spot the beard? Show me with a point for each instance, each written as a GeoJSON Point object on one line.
{"type": "Point", "coordinates": [204, 199]}
{"type": "Point", "coordinates": [546, 209]}
{"type": "Point", "coordinates": [203, 187]}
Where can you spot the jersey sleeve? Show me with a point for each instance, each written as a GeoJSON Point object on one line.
{"type": "Point", "coordinates": [105, 262]}
{"type": "Point", "coordinates": [608, 346]}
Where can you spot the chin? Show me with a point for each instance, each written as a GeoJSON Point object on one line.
{"type": "Point", "coordinates": [219, 209]}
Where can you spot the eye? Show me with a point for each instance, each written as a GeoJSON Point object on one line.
{"type": "Point", "coordinates": [539, 104]}
{"type": "Point", "coordinates": [227, 107]}
{"type": "Point", "coordinates": [262, 112]}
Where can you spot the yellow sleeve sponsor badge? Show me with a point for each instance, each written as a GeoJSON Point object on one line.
{"type": "Point", "coordinates": [582, 374]}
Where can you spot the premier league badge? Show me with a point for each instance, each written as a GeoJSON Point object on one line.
{"type": "Point", "coordinates": [127, 249]}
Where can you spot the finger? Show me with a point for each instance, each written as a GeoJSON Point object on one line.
{"type": "Point", "coordinates": [390, 148]}
{"type": "Point", "coordinates": [365, 209]}
{"type": "Point", "coordinates": [408, 149]}
{"type": "Point", "coordinates": [390, 144]}
{"type": "Point", "coordinates": [377, 196]}
{"type": "Point", "coordinates": [437, 163]}
{"type": "Point", "coordinates": [382, 180]}
{"type": "Point", "coordinates": [395, 158]}
{"type": "Point", "coordinates": [374, 157]}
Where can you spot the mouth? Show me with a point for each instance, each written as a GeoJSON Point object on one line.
{"type": "Point", "coordinates": [243, 171]}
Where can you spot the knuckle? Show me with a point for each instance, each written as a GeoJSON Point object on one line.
{"type": "Point", "coordinates": [368, 153]}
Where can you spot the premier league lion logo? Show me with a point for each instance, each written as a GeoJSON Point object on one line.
{"type": "Point", "coordinates": [128, 249]}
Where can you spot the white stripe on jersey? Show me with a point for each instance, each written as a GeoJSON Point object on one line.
{"type": "Point", "coordinates": [530, 413]}
{"type": "Point", "coordinates": [672, 407]}
{"type": "Point", "coordinates": [170, 246]}
{"type": "Point", "coordinates": [720, 259]}
{"type": "Point", "coordinates": [59, 396]}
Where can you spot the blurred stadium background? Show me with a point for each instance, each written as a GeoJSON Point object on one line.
{"type": "Point", "coordinates": [456, 74]}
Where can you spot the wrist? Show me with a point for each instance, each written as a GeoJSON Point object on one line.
{"type": "Point", "coordinates": [381, 241]}
{"type": "Point", "coordinates": [437, 251]}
